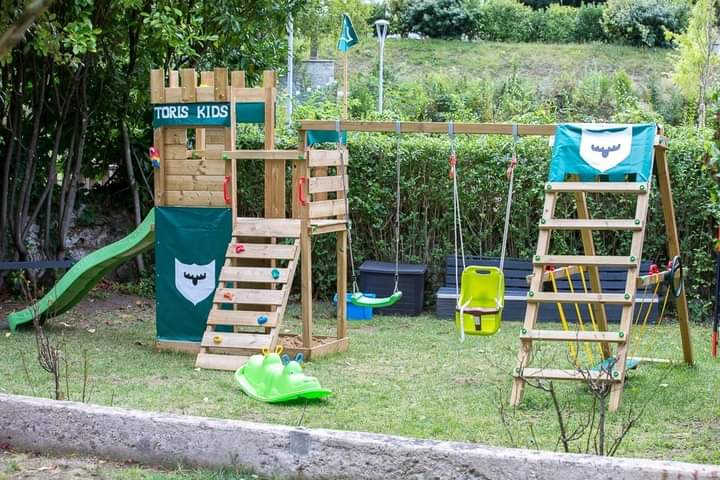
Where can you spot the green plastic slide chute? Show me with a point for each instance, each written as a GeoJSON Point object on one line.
{"type": "Point", "coordinates": [265, 378]}
{"type": "Point", "coordinates": [361, 300]}
{"type": "Point", "coordinates": [86, 273]}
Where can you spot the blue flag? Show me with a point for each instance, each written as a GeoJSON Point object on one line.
{"type": "Point", "coordinates": [348, 37]}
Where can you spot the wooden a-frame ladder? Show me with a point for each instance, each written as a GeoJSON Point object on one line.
{"type": "Point", "coordinates": [597, 299]}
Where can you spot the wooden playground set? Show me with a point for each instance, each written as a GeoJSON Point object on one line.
{"type": "Point", "coordinates": [224, 281]}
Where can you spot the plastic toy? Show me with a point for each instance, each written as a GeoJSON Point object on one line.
{"type": "Point", "coordinates": [265, 378]}
{"type": "Point", "coordinates": [154, 157]}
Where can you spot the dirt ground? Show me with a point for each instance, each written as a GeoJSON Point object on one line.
{"type": "Point", "coordinates": [16, 466]}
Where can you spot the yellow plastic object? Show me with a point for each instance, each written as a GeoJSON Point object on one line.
{"type": "Point", "coordinates": [482, 298]}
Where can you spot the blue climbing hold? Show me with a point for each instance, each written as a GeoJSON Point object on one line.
{"type": "Point", "coordinates": [299, 357]}
{"type": "Point", "coordinates": [275, 273]}
{"type": "Point", "coordinates": [262, 319]}
{"type": "Point", "coordinates": [285, 359]}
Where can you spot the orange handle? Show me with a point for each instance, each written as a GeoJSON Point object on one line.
{"type": "Point", "coordinates": [226, 192]}
{"type": "Point", "coordinates": [301, 191]}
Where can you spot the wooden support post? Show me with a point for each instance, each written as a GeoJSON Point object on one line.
{"type": "Point", "coordinates": [274, 169]}
{"type": "Point", "coordinates": [341, 253]}
{"type": "Point", "coordinates": [157, 95]}
{"type": "Point", "coordinates": [302, 170]}
{"type": "Point", "coordinates": [595, 284]}
{"type": "Point", "coordinates": [531, 313]}
{"type": "Point", "coordinates": [673, 246]}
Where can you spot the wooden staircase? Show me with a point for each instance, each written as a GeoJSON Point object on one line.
{"type": "Point", "coordinates": [252, 292]}
{"type": "Point", "coordinates": [596, 300]}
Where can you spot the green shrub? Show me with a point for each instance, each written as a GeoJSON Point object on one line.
{"type": "Point", "coordinates": [503, 20]}
{"type": "Point", "coordinates": [644, 22]}
{"type": "Point", "coordinates": [439, 18]}
{"type": "Point", "coordinates": [589, 24]}
{"type": "Point", "coordinates": [555, 24]}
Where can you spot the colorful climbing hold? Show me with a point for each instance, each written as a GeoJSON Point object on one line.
{"type": "Point", "coordinates": [275, 273]}
{"type": "Point", "coordinates": [239, 248]}
{"type": "Point", "coordinates": [262, 320]}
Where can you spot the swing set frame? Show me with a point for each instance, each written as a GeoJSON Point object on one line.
{"type": "Point", "coordinates": [661, 173]}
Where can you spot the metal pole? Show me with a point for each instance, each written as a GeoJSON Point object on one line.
{"type": "Point", "coordinates": [290, 80]}
{"type": "Point", "coordinates": [381, 27]}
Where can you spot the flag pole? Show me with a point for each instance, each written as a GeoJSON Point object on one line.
{"type": "Point", "coordinates": [345, 86]}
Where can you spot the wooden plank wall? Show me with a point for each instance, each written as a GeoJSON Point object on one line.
{"type": "Point", "coordinates": [196, 177]}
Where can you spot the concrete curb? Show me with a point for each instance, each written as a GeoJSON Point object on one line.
{"type": "Point", "coordinates": [42, 425]}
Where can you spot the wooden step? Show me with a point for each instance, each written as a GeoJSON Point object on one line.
{"type": "Point", "coordinates": [605, 187]}
{"type": "Point", "coordinates": [590, 224]}
{"type": "Point", "coordinates": [245, 318]}
{"type": "Point", "coordinates": [261, 250]}
{"type": "Point", "coordinates": [248, 296]}
{"type": "Point", "coordinates": [244, 341]}
{"type": "Point", "coordinates": [266, 227]}
{"type": "Point", "coordinates": [215, 361]}
{"type": "Point", "coordinates": [559, 374]}
{"type": "Point", "coordinates": [566, 297]}
{"type": "Point", "coordinates": [579, 336]}
{"type": "Point", "coordinates": [254, 274]}
{"type": "Point", "coordinates": [627, 261]}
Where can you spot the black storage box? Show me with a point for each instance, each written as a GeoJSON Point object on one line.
{"type": "Point", "coordinates": [379, 278]}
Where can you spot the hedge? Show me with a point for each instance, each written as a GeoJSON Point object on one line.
{"type": "Point", "coordinates": [641, 22]}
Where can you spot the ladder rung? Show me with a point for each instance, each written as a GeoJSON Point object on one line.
{"type": "Point", "coordinates": [606, 187]}
{"type": "Point", "coordinates": [249, 296]}
{"type": "Point", "coordinates": [266, 227]}
{"type": "Point", "coordinates": [259, 250]}
{"type": "Point", "coordinates": [566, 297]}
{"type": "Point", "coordinates": [585, 260]}
{"type": "Point", "coordinates": [590, 224]}
{"type": "Point", "coordinates": [579, 336]}
{"type": "Point", "coordinates": [245, 318]}
{"type": "Point", "coordinates": [559, 374]}
{"type": "Point", "coordinates": [254, 274]}
{"type": "Point", "coordinates": [245, 341]}
{"type": "Point", "coordinates": [216, 361]}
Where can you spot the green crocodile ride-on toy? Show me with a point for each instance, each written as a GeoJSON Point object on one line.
{"type": "Point", "coordinates": [265, 378]}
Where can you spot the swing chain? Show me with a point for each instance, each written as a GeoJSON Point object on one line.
{"type": "Point", "coordinates": [397, 205]}
{"type": "Point", "coordinates": [511, 178]}
{"type": "Point", "coordinates": [348, 222]}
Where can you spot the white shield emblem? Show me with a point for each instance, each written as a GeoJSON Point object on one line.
{"type": "Point", "coordinates": [604, 150]}
{"type": "Point", "coordinates": [195, 282]}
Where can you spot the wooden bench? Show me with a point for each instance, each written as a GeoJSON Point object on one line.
{"type": "Point", "coordinates": [516, 288]}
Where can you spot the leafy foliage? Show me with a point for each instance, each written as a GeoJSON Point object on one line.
{"type": "Point", "coordinates": [644, 22]}
{"type": "Point", "coordinates": [439, 18]}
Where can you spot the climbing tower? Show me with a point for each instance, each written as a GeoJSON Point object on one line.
{"type": "Point", "coordinates": [603, 160]}
{"type": "Point", "coordinates": [224, 281]}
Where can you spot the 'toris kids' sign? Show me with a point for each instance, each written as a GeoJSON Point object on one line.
{"type": "Point", "coordinates": [215, 114]}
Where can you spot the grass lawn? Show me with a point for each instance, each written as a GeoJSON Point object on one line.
{"type": "Point", "coordinates": [404, 376]}
{"type": "Point", "coordinates": [538, 63]}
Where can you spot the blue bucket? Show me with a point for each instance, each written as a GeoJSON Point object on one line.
{"type": "Point", "coordinates": [353, 311]}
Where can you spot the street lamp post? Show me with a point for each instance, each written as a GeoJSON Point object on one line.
{"type": "Point", "coordinates": [381, 27]}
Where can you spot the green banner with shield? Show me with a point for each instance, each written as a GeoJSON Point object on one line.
{"type": "Point", "coordinates": [190, 246]}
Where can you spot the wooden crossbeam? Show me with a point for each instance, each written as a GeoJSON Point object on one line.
{"type": "Point", "coordinates": [637, 188]}
{"type": "Point", "coordinates": [584, 260]}
{"type": "Point", "coordinates": [590, 224]}
{"type": "Point", "coordinates": [551, 297]}
{"type": "Point", "coordinates": [580, 336]}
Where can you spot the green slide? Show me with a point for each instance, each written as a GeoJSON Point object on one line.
{"type": "Point", "coordinates": [77, 281]}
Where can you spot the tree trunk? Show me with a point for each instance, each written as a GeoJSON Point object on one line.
{"type": "Point", "coordinates": [133, 189]}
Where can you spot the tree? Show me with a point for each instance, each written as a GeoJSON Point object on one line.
{"type": "Point", "coordinates": [74, 99]}
{"type": "Point", "coordinates": [696, 61]}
